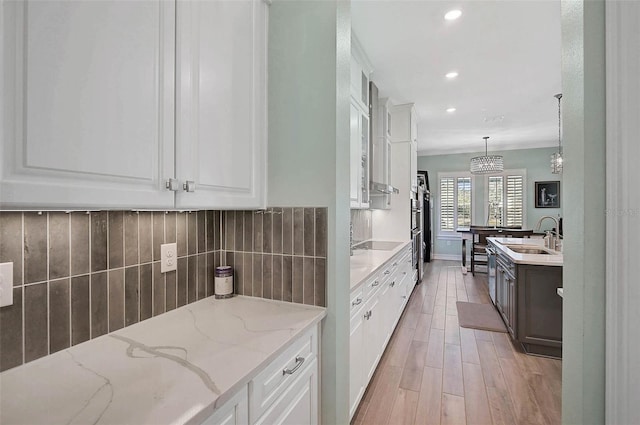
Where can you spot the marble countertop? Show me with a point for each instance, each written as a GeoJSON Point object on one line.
{"type": "Point", "coordinates": [533, 259]}
{"type": "Point", "coordinates": [364, 263]}
{"type": "Point", "coordinates": [172, 369]}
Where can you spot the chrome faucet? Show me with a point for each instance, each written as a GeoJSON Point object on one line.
{"type": "Point", "coordinates": [552, 238]}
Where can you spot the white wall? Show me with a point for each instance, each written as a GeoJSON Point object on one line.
{"type": "Point", "coordinates": [308, 156]}
{"type": "Point", "coordinates": [583, 88]}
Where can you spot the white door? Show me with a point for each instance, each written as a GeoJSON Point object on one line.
{"type": "Point", "coordinates": [88, 100]}
{"type": "Point", "coordinates": [373, 338]}
{"type": "Point", "coordinates": [355, 156]}
{"type": "Point", "coordinates": [356, 355]}
{"type": "Point", "coordinates": [221, 103]}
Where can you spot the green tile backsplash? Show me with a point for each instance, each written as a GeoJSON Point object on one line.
{"type": "Point", "coordinates": [79, 275]}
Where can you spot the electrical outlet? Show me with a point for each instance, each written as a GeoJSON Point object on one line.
{"type": "Point", "coordinates": [6, 284]}
{"type": "Point", "coordinates": [169, 256]}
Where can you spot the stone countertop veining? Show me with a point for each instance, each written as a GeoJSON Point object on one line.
{"type": "Point", "coordinates": [364, 263]}
{"type": "Point", "coordinates": [533, 259]}
{"type": "Point", "coordinates": [172, 369]}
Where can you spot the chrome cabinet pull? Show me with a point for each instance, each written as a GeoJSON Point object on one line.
{"type": "Point", "coordinates": [392, 284]}
{"type": "Point", "coordinates": [189, 186]}
{"type": "Point", "coordinates": [376, 283]}
{"type": "Point", "coordinates": [387, 272]}
{"type": "Point", "coordinates": [172, 185]}
{"type": "Point", "coordinates": [395, 264]}
{"type": "Point", "coordinates": [299, 361]}
{"type": "Point", "coordinates": [358, 301]}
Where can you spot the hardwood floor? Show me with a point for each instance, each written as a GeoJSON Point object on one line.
{"type": "Point", "coordinates": [435, 372]}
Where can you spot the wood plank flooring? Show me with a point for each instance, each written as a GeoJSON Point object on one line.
{"type": "Point", "coordinates": [436, 372]}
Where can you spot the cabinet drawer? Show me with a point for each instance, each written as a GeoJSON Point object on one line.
{"type": "Point", "coordinates": [265, 388]}
{"type": "Point", "coordinates": [357, 300]}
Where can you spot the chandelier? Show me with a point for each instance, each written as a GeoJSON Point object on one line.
{"type": "Point", "coordinates": [556, 158]}
{"type": "Point", "coordinates": [486, 164]}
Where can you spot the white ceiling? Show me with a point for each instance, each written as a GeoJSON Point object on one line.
{"type": "Point", "coordinates": [507, 54]}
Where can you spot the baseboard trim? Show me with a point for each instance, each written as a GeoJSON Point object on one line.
{"type": "Point", "coordinates": [449, 257]}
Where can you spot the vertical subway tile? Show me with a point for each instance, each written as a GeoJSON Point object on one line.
{"type": "Point", "coordinates": [80, 314]}
{"type": "Point", "coordinates": [217, 235]}
{"type": "Point", "coordinates": [231, 261]}
{"type": "Point", "coordinates": [192, 233]}
{"type": "Point", "coordinates": [247, 218]}
{"type": "Point", "coordinates": [258, 219]}
{"type": "Point", "coordinates": [131, 295]}
{"type": "Point", "coordinates": [130, 238]}
{"type": "Point", "coordinates": [211, 266]}
{"type": "Point", "coordinates": [257, 275]}
{"type": "Point", "coordinates": [79, 243]}
{"type": "Point", "coordinates": [202, 236]}
{"type": "Point", "coordinates": [171, 285]}
{"type": "Point", "coordinates": [170, 225]}
{"type": "Point", "coordinates": [99, 313]}
{"type": "Point", "coordinates": [157, 218]}
{"type": "Point", "coordinates": [267, 276]}
{"type": "Point", "coordinates": [145, 233]}
{"type": "Point", "coordinates": [239, 231]}
{"type": "Point", "coordinates": [98, 241]}
{"type": "Point", "coordinates": [11, 331]}
{"type": "Point", "coordinates": [238, 277]}
{"type": "Point", "coordinates": [116, 299]}
{"type": "Point", "coordinates": [35, 248]}
{"type": "Point", "coordinates": [321, 232]}
{"type": "Point", "coordinates": [158, 290]}
{"type": "Point", "coordinates": [59, 309]}
{"type": "Point", "coordinates": [320, 286]}
{"type": "Point", "coordinates": [11, 246]}
{"type": "Point", "coordinates": [116, 239]}
{"type": "Point", "coordinates": [277, 277]}
{"type": "Point", "coordinates": [276, 234]}
{"type": "Point", "coordinates": [267, 236]}
{"type": "Point", "coordinates": [309, 230]}
{"type": "Point", "coordinates": [192, 278]}
{"type": "Point", "coordinates": [146, 291]}
{"type": "Point", "coordinates": [36, 343]}
{"type": "Point", "coordinates": [182, 282]}
{"type": "Point", "coordinates": [298, 231]}
{"type": "Point", "coordinates": [287, 231]}
{"type": "Point", "coordinates": [229, 224]}
{"type": "Point", "coordinates": [210, 225]}
{"type": "Point", "coordinates": [247, 269]}
{"type": "Point", "coordinates": [287, 278]}
{"type": "Point", "coordinates": [298, 280]}
{"type": "Point", "coordinates": [181, 230]}
{"type": "Point", "coordinates": [202, 276]}
{"type": "Point", "coordinates": [308, 281]}
{"type": "Point", "coordinates": [58, 245]}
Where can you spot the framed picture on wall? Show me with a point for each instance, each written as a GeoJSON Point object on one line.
{"type": "Point", "coordinates": [547, 194]}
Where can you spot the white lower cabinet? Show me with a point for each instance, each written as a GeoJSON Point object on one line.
{"type": "Point", "coordinates": [285, 392]}
{"type": "Point", "coordinates": [376, 307]}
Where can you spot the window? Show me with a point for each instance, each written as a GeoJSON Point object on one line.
{"type": "Point", "coordinates": [505, 199]}
{"type": "Point", "coordinates": [455, 202]}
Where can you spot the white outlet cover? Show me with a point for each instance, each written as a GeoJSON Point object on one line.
{"type": "Point", "coordinates": [169, 257]}
{"type": "Point", "coordinates": [6, 284]}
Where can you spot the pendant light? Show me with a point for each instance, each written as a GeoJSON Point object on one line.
{"type": "Point", "coordinates": [556, 158]}
{"type": "Point", "coordinates": [486, 164]}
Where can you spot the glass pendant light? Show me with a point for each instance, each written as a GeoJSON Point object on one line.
{"type": "Point", "coordinates": [486, 164]}
{"type": "Point", "coordinates": [556, 158]}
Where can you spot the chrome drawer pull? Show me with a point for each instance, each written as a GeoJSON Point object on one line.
{"type": "Point", "coordinates": [387, 272]}
{"type": "Point", "coordinates": [395, 264]}
{"type": "Point", "coordinates": [299, 361]}
{"type": "Point", "coordinates": [358, 301]}
{"type": "Point", "coordinates": [392, 284]}
{"type": "Point", "coordinates": [376, 283]}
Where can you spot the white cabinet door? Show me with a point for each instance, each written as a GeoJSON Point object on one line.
{"type": "Point", "coordinates": [221, 103]}
{"type": "Point", "coordinates": [354, 153]}
{"type": "Point", "coordinates": [88, 101]}
{"type": "Point", "coordinates": [373, 338]}
{"type": "Point", "coordinates": [357, 383]}
{"type": "Point", "coordinates": [233, 412]}
{"type": "Point", "coordinates": [298, 405]}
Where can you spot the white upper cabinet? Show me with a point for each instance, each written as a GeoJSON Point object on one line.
{"type": "Point", "coordinates": [88, 103]}
{"type": "Point", "coordinates": [405, 129]}
{"type": "Point", "coordinates": [221, 103]}
{"type": "Point", "coordinates": [103, 102]}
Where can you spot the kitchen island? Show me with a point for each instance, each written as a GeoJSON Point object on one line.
{"type": "Point", "coordinates": [527, 277]}
{"type": "Point", "coordinates": [180, 367]}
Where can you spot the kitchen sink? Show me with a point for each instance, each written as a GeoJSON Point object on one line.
{"type": "Point", "coordinates": [529, 249]}
{"type": "Point", "coordinates": [377, 245]}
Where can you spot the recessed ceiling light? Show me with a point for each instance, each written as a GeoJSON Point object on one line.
{"type": "Point", "coordinates": [451, 75]}
{"type": "Point", "coordinates": [453, 15]}
{"type": "Point", "coordinates": [451, 110]}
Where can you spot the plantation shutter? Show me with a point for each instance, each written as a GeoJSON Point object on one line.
{"type": "Point", "coordinates": [496, 201]}
{"type": "Point", "coordinates": [515, 201]}
{"type": "Point", "coordinates": [464, 202]}
{"type": "Point", "coordinates": [447, 206]}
